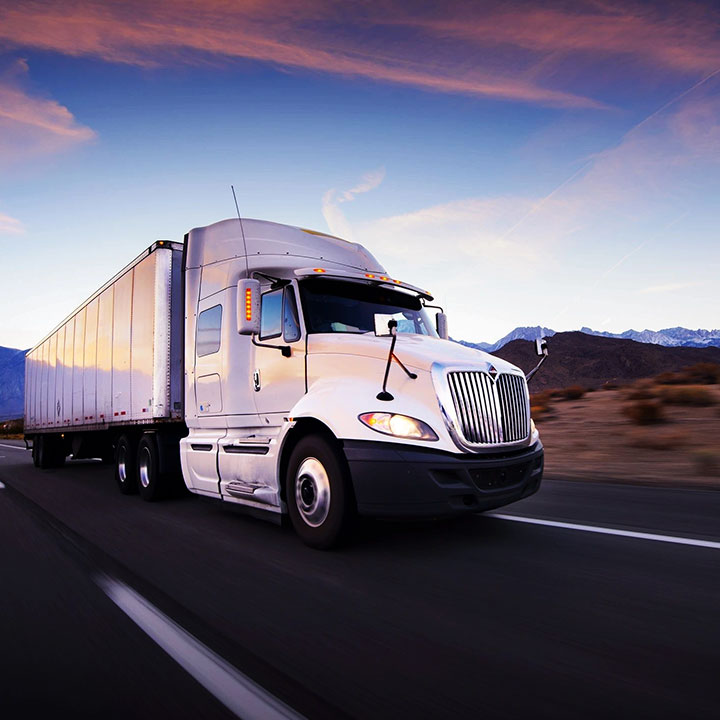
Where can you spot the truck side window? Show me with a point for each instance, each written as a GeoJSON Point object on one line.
{"type": "Point", "coordinates": [271, 315]}
{"type": "Point", "coordinates": [291, 323]}
{"type": "Point", "coordinates": [208, 330]}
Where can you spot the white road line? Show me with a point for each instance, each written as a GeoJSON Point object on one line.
{"type": "Point", "coordinates": [2, 484]}
{"type": "Point", "coordinates": [609, 531]}
{"type": "Point", "coordinates": [233, 689]}
{"type": "Point", "coordinates": [12, 447]}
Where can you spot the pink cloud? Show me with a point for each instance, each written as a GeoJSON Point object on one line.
{"type": "Point", "coordinates": [316, 36]}
{"type": "Point", "coordinates": [10, 225]}
{"type": "Point", "coordinates": [31, 124]}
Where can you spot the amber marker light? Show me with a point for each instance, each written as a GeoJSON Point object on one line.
{"type": "Point", "coordinates": [369, 275]}
{"type": "Point", "coordinates": [319, 270]}
{"type": "Point", "coordinates": [248, 304]}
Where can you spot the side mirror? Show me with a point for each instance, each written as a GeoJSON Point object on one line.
{"type": "Point", "coordinates": [441, 324]}
{"type": "Point", "coordinates": [384, 325]}
{"type": "Point", "coordinates": [541, 347]}
{"type": "Point", "coordinates": [248, 306]}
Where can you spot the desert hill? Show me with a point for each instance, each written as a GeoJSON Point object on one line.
{"type": "Point", "coordinates": [576, 358]}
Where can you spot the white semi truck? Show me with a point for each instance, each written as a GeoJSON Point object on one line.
{"type": "Point", "coordinates": [281, 369]}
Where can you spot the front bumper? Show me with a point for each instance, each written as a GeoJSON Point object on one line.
{"type": "Point", "coordinates": [394, 480]}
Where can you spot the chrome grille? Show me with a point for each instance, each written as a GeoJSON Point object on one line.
{"type": "Point", "coordinates": [490, 412]}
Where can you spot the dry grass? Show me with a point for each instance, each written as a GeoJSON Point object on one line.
{"type": "Point", "coordinates": [658, 440]}
{"type": "Point", "coordinates": [693, 395]}
{"type": "Point", "coordinates": [593, 439]}
{"type": "Point", "coordinates": [707, 462]}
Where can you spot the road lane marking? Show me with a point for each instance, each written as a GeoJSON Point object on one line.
{"type": "Point", "coordinates": [2, 484]}
{"type": "Point", "coordinates": [609, 531]}
{"type": "Point", "coordinates": [12, 447]}
{"type": "Point", "coordinates": [236, 691]}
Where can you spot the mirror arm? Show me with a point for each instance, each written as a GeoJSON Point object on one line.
{"type": "Point", "coordinates": [286, 350]}
{"type": "Point", "coordinates": [434, 307]}
{"type": "Point", "coordinates": [530, 375]}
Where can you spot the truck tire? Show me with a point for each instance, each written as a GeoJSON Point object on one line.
{"type": "Point", "coordinates": [318, 498]}
{"type": "Point", "coordinates": [50, 451]}
{"type": "Point", "coordinates": [153, 485]}
{"type": "Point", "coordinates": [126, 465]}
{"type": "Point", "coordinates": [35, 448]}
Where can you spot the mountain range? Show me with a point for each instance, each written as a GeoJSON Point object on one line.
{"type": "Point", "coordinates": [577, 358]}
{"type": "Point", "coordinates": [583, 357]}
{"type": "Point", "coordinates": [669, 337]}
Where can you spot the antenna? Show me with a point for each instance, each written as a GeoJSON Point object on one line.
{"type": "Point", "coordinates": [242, 231]}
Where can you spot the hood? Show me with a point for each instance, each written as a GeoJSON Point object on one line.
{"type": "Point", "coordinates": [416, 351]}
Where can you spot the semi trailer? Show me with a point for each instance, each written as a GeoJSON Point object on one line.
{"type": "Point", "coordinates": [285, 370]}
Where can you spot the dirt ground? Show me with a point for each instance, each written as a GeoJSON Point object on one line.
{"type": "Point", "coordinates": [591, 439]}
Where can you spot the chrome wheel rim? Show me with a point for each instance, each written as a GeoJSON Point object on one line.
{"type": "Point", "coordinates": [122, 463]}
{"type": "Point", "coordinates": [312, 492]}
{"type": "Point", "coordinates": [144, 467]}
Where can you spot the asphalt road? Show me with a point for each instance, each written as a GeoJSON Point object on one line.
{"type": "Point", "coordinates": [478, 617]}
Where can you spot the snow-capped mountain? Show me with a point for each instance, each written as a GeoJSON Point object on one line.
{"type": "Point", "coordinates": [519, 333]}
{"type": "Point", "coordinates": [669, 337]}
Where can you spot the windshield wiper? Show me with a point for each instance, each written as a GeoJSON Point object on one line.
{"type": "Point", "coordinates": [384, 394]}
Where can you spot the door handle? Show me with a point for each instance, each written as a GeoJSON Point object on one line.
{"type": "Point", "coordinates": [256, 380]}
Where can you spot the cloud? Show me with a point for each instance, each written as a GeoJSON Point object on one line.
{"type": "Point", "coordinates": [332, 199]}
{"type": "Point", "coordinates": [622, 202]}
{"type": "Point", "coordinates": [10, 225]}
{"type": "Point", "coordinates": [681, 38]}
{"type": "Point", "coordinates": [669, 287]}
{"type": "Point", "coordinates": [372, 42]}
{"type": "Point", "coordinates": [31, 124]}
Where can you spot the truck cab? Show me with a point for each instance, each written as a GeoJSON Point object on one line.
{"type": "Point", "coordinates": [318, 385]}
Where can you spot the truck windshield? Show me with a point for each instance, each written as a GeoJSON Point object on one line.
{"type": "Point", "coordinates": [341, 306]}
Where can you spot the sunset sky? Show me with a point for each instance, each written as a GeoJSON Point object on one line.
{"type": "Point", "coordinates": [529, 162]}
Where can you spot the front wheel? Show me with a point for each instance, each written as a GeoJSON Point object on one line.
{"type": "Point", "coordinates": [317, 493]}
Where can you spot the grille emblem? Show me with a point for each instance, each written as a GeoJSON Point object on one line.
{"type": "Point", "coordinates": [492, 371]}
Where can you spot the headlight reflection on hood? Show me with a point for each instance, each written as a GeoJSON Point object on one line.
{"type": "Point", "coordinates": [398, 425]}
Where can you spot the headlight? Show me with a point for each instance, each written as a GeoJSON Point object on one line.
{"type": "Point", "coordinates": [398, 425]}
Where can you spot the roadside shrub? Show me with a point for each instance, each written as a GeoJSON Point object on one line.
{"type": "Point", "coordinates": [644, 412]}
{"type": "Point", "coordinates": [610, 385]}
{"type": "Point", "coordinates": [574, 392]}
{"type": "Point", "coordinates": [540, 404]}
{"type": "Point", "coordinates": [10, 428]}
{"type": "Point", "coordinates": [707, 462]}
{"type": "Point", "coordinates": [642, 390]}
{"type": "Point", "coordinates": [705, 373]}
{"type": "Point", "coordinates": [694, 395]}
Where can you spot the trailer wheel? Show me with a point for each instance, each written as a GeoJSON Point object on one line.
{"type": "Point", "coordinates": [125, 465]}
{"type": "Point", "coordinates": [151, 483]}
{"type": "Point", "coordinates": [35, 448]}
{"type": "Point", "coordinates": [317, 493]}
{"type": "Point", "coordinates": [50, 451]}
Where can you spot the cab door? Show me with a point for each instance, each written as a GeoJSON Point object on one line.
{"type": "Point", "coordinates": [279, 375]}
{"type": "Point", "coordinates": [200, 448]}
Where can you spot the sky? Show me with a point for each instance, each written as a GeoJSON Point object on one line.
{"type": "Point", "coordinates": [531, 163]}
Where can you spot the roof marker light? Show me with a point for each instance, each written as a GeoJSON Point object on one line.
{"type": "Point", "coordinates": [369, 275]}
{"type": "Point", "coordinates": [319, 270]}
{"type": "Point", "coordinates": [382, 277]}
